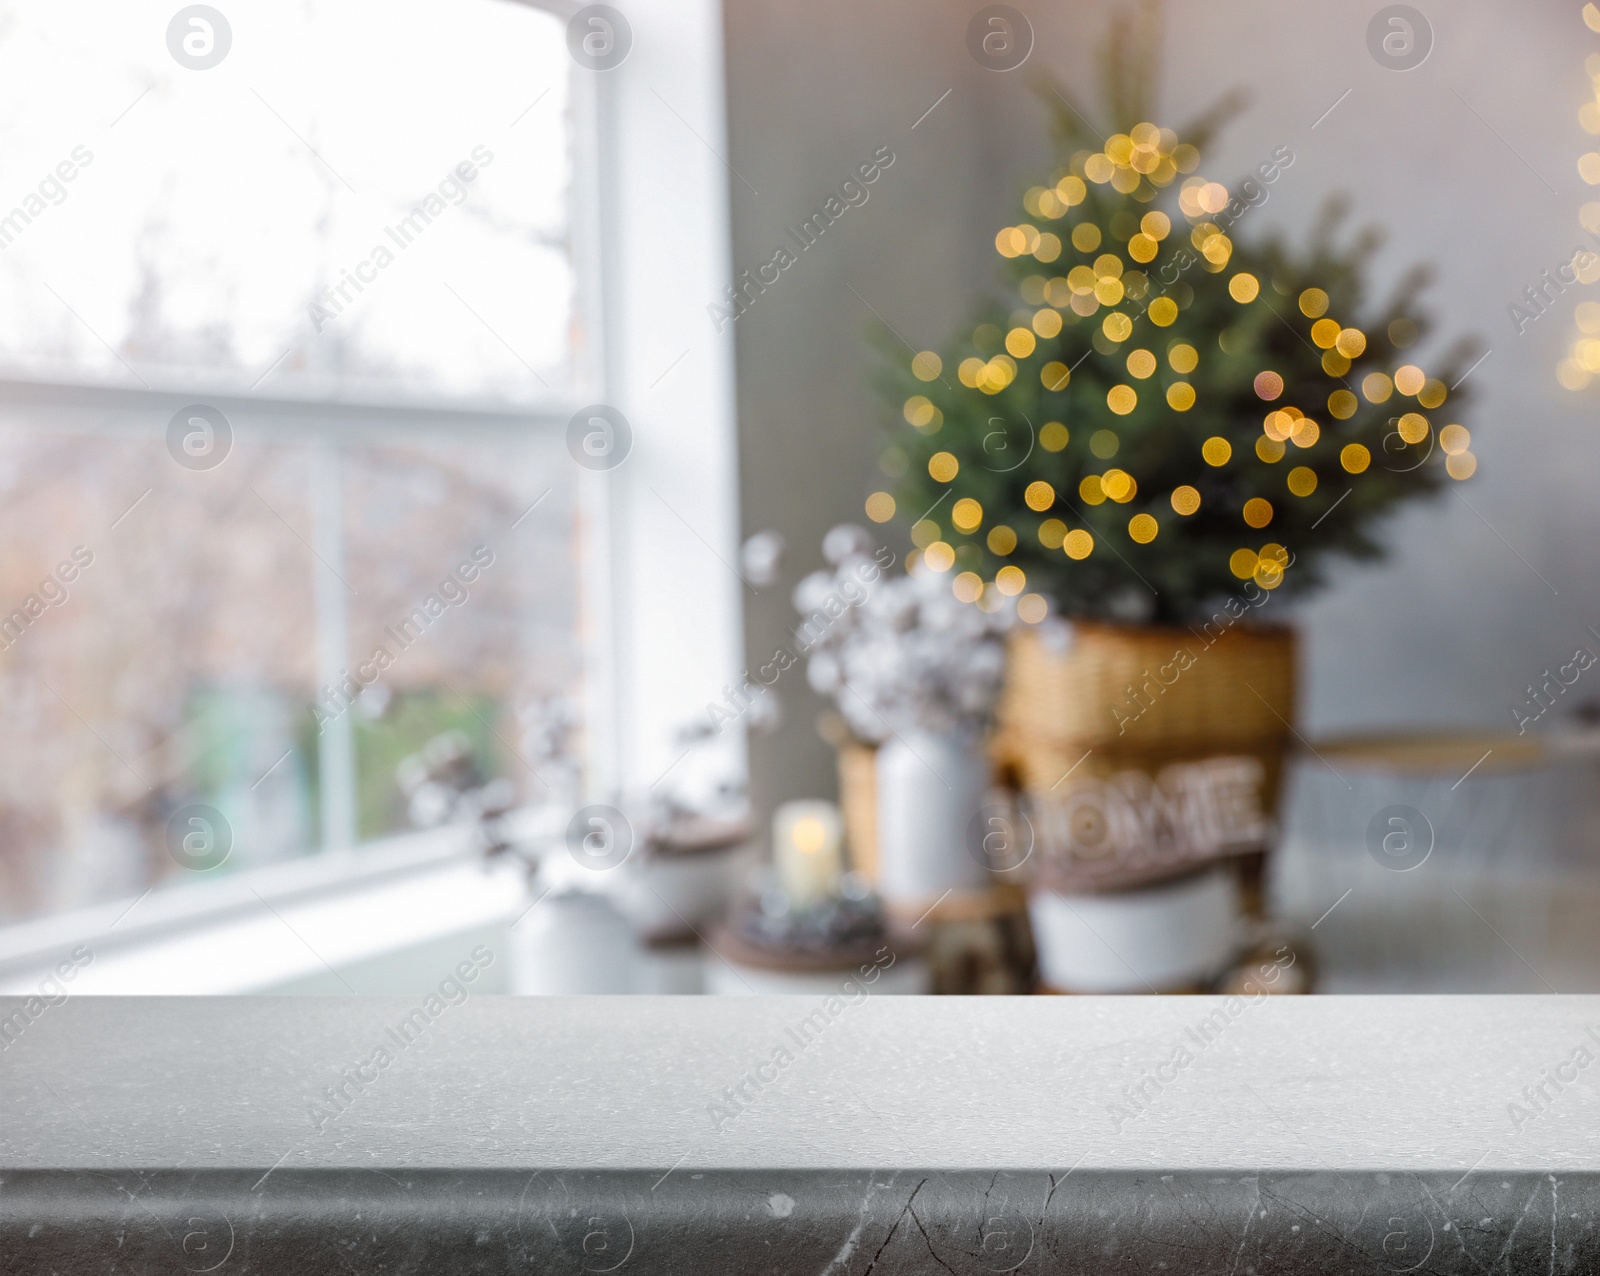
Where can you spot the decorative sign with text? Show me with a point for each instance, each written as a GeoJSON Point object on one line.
{"type": "Point", "coordinates": [1115, 831]}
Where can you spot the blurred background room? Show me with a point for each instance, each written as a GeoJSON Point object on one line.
{"type": "Point", "coordinates": [732, 497]}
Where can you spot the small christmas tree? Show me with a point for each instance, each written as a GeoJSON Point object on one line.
{"type": "Point", "coordinates": [1159, 414]}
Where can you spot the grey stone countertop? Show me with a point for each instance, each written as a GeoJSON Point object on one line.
{"type": "Point", "coordinates": [850, 1134]}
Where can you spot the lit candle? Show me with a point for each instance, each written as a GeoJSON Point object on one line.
{"type": "Point", "coordinates": [806, 838]}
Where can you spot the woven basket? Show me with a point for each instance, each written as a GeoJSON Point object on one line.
{"type": "Point", "coordinates": [858, 801]}
{"type": "Point", "coordinates": [1122, 734]}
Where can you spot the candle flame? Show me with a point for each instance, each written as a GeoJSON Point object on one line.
{"type": "Point", "coordinates": [809, 834]}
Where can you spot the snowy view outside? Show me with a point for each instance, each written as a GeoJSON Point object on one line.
{"type": "Point", "coordinates": [359, 203]}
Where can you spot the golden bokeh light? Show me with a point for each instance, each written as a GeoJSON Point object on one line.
{"type": "Point", "coordinates": [1091, 491]}
{"type": "Point", "coordinates": [1032, 608]}
{"type": "Point", "coordinates": [1432, 394]}
{"type": "Point", "coordinates": [1010, 242]}
{"type": "Point", "coordinates": [939, 557]}
{"type": "Point", "coordinates": [1185, 500]}
{"type": "Point", "coordinates": [918, 410]}
{"type": "Point", "coordinates": [1377, 387]}
{"type": "Point", "coordinates": [1010, 581]}
{"type": "Point", "coordinates": [1324, 333]}
{"type": "Point", "coordinates": [1244, 287]}
{"type": "Point", "coordinates": [1086, 237]}
{"type": "Point", "coordinates": [1409, 379]}
{"type": "Point", "coordinates": [1313, 303]}
{"type": "Point", "coordinates": [1163, 311]}
{"type": "Point", "coordinates": [1055, 375]}
{"type": "Point", "coordinates": [967, 587]}
{"type": "Point", "coordinates": [1020, 343]}
{"type": "Point", "coordinates": [1001, 540]}
{"type": "Point", "coordinates": [1117, 326]}
{"type": "Point", "coordinates": [1052, 532]}
{"type": "Point", "coordinates": [924, 533]}
{"type": "Point", "coordinates": [1183, 358]}
{"type": "Point", "coordinates": [880, 507]}
{"type": "Point", "coordinates": [926, 366]}
{"type": "Point", "coordinates": [1104, 444]}
{"type": "Point", "coordinates": [1302, 481]}
{"type": "Point", "coordinates": [1455, 439]}
{"type": "Point", "coordinates": [1463, 465]}
{"type": "Point", "coordinates": [1269, 450]}
{"type": "Point", "coordinates": [1354, 458]}
{"type": "Point", "coordinates": [1257, 511]}
{"type": "Point", "coordinates": [1342, 405]}
{"type": "Point", "coordinates": [1053, 436]}
{"type": "Point", "coordinates": [1216, 450]}
{"type": "Point", "coordinates": [1242, 563]}
{"type": "Point", "coordinates": [1350, 342]}
{"type": "Point", "coordinates": [1143, 528]}
{"type": "Point", "coordinates": [1305, 433]}
{"type": "Point", "coordinates": [967, 515]}
{"type": "Point", "coordinates": [1122, 399]}
{"type": "Point", "coordinates": [1078, 544]}
{"type": "Point", "coordinates": [1141, 364]}
{"type": "Point", "coordinates": [1118, 485]}
{"type": "Point", "coordinates": [1180, 396]}
{"type": "Point", "coordinates": [1413, 427]}
{"type": "Point", "coordinates": [1039, 495]}
{"type": "Point", "coordinates": [942, 467]}
{"type": "Point", "coordinates": [1047, 323]}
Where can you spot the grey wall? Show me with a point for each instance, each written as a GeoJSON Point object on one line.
{"type": "Point", "coordinates": [1467, 162]}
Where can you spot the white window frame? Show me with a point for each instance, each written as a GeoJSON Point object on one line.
{"type": "Point", "coordinates": [661, 604]}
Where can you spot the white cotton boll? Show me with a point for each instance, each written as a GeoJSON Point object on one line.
{"type": "Point", "coordinates": [862, 574]}
{"type": "Point", "coordinates": [863, 723]}
{"type": "Point", "coordinates": [844, 540]}
{"type": "Point", "coordinates": [765, 714]}
{"type": "Point", "coordinates": [762, 558]}
{"type": "Point", "coordinates": [812, 593]}
{"type": "Point", "coordinates": [823, 673]}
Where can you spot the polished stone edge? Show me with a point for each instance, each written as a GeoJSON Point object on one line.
{"type": "Point", "coordinates": [308, 1222]}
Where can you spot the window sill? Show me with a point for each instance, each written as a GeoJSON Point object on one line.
{"type": "Point", "coordinates": [270, 928]}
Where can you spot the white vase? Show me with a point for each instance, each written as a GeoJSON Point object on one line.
{"type": "Point", "coordinates": [1157, 938]}
{"type": "Point", "coordinates": [930, 786]}
{"type": "Point", "coordinates": [572, 943]}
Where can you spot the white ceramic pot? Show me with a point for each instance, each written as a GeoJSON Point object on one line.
{"type": "Point", "coordinates": [1162, 937]}
{"type": "Point", "coordinates": [930, 786]}
{"type": "Point", "coordinates": [907, 975]}
{"type": "Point", "coordinates": [573, 942]}
{"type": "Point", "coordinates": [680, 893]}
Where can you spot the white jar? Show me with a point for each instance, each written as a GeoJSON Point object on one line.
{"type": "Point", "coordinates": [930, 786]}
{"type": "Point", "coordinates": [1161, 938]}
{"type": "Point", "coordinates": [572, 942]}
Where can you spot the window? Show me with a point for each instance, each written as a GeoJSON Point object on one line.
{"type": "Point", "coordinates": [288, 343]}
